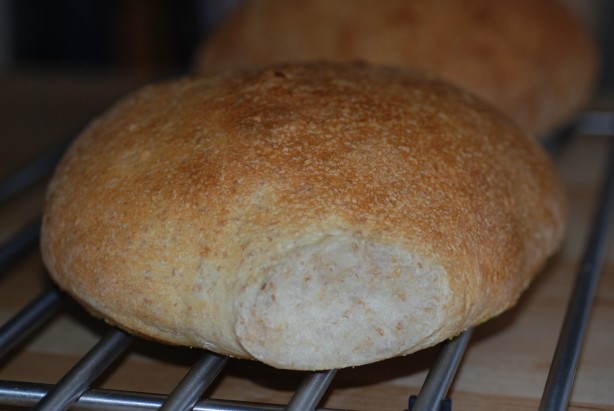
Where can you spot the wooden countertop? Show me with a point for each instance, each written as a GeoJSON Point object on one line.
{"type": "Point", "coordinates": [507, 360]}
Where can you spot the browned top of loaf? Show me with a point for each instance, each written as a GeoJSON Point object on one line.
{"type": "Point", "coordinates": [530, 58]}
{"type": "Point", "coordinates": [224, 172]}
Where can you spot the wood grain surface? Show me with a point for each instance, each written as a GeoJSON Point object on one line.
{"type": "Point", "coordinates": [507, 361]}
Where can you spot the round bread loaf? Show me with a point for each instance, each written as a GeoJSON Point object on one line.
{"type": "Point", "coordinates": [309, 216]}
{"type": "Point", "coordinates": [529, 58]}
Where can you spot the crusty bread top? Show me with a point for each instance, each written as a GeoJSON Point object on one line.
{"type": "Point", "coordinates": [310, 216]}
{"type": "Point", "coordinates": [530, 58]}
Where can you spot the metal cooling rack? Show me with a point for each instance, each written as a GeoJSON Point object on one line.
{"type": "Point", "coordinates": [73, 392]}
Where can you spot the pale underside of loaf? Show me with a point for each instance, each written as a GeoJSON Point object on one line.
{"type": "Point", "coordinates": [348, 298]}
{"type": "Point", "coordinates": [308, 216]}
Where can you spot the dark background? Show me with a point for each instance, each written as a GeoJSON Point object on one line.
{"type": "Point", "coordinates": [154, 38]}
{"type": "Point", "coordinates": [142, 37]}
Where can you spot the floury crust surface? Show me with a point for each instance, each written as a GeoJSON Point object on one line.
{"type": "Point", "coordinates": [308, 216]}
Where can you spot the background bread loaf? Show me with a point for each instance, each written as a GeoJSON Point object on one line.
{"type": "Point", "coordinates": [309, 216]}
{"type": "Point", "coordinates": [530, 58]}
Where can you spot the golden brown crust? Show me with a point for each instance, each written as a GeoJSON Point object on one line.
{"type": "Point", "coordinates": [530, 58]}
{"type": "Point", "coordinates": [217, 212]}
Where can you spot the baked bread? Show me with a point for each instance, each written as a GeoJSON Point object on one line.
{"type": "Point", "coordinates": [308, 216]}
{"type": "Point", "coordinates": [530, 58]}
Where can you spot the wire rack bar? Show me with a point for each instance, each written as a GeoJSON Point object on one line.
{"type": "Point", "coordinates": [311, 390]}
{"type": "Point", "coordinates": [194, 384]}
{"type": "Point", "coordinates": [76, 381]}
{"type": "Point", "coordinates": [31, 173]}
{"type": "Point", "coordinates": [29, 319]}
{"type": "Point", "coordinates": [441, 374]}
{"type": "Point", "coordinates": [596, 123]}
{"type": "Point", "coordinates": [565, 361]}
{"type": "Point", "coordinates": [599, 123]}
{"type": "Point", "coordinates": [26, 394]}
{"type": "Point", "coordinates": [19, 242]}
